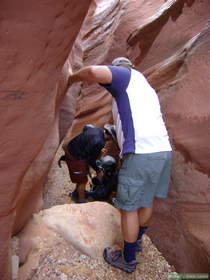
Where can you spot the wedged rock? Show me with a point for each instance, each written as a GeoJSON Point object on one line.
{"type": "Point", "coordinates": [48, 246]}
{"type": "Point", "coordinates": [89, 227]}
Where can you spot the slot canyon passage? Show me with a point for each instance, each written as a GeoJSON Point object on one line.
{"type": "Point", "coordinates": [44, 235]}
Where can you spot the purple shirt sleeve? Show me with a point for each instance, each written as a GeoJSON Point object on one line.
{"type": "Point", "coordinates": [120, 80]}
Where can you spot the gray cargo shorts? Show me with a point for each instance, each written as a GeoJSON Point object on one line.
{"type": "Point", "coordinates": [143, 177]}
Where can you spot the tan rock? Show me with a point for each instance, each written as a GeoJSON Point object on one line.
{"type": "Point", "coordinates": [89, 227]}
{"type": "Point", "coordinates": [46, 251]}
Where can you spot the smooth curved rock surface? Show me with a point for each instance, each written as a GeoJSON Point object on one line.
{"type": "Point", "coordinates": [37, 37]}
{"type": "Point", "coordinates": [185, 104]}
{"type": "Point", "coordinates": [89, 227]}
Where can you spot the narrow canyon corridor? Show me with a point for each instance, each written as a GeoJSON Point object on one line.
{"type": "Point", "coordinates": [168, 41]}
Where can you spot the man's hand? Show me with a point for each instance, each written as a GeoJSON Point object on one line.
{"type": "Point", "coordinates": [92, 74]}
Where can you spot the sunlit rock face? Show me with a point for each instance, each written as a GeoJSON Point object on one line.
{"type": "Point", "coordinates": [166, 31]}
{"type": "Point", "coordinates": [37, 37]}
{"type": "Point", "coordinates": [169, 42]}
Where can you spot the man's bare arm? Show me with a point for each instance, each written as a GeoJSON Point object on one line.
{"type": "Point", "coordinates": [94, 74]}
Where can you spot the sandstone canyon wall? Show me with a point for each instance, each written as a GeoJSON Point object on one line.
{"type": "Point", "coordinates": [36, 39]}
{"type": "Point", "coordinates": [175, 58]}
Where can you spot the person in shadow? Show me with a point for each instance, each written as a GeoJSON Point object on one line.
{"type": "Point", "coordinates": [82, 152]}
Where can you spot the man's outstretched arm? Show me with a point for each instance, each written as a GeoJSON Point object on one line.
{"type": "Point", "coordinates": [94, 74]}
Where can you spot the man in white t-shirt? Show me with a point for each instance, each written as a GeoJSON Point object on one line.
{"type": "Point", "coordinates": [144, 147]}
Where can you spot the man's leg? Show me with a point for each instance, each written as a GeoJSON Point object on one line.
{"type": "Point", "coordinates": [130, 229]}
{"type": "Point", "coordinates": [144, 215]}
{"type": "Point", "coordinates": [78, 171]}
{"type": "Point", "coordinates": [130, 225]}
{"type": "Point", "coordinates": [125, 260]}
{"type": "Point", "coordinates": [81, 191]}
{"type": "Point", "coordinates": [131, 220]}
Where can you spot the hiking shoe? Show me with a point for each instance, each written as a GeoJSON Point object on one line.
{"type": "Point", "coordinates": [138, 246]}
{"type": "Point", "coordinates": [116, 259]}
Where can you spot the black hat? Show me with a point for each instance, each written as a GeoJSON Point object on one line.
{"type": "Point", "coordinates": [110, 129]}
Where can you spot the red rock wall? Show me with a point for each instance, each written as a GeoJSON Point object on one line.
{"type": "Point", "coordinates": [185, 103]}
{"type": "Point", "coordinates": [178, 70]}
{"type": "Point", "coordinates": [36, 39]}
{"type": "Point", "coordinates": [163, 39]}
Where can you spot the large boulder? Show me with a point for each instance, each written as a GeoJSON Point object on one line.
{"type": "Point", "coordinates": [67, 242]}
{"type": "Point", "coordinates": [89, 227]}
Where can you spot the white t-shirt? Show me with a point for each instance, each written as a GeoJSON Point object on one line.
{"type": "Point", "coordinates": [136, 112]}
